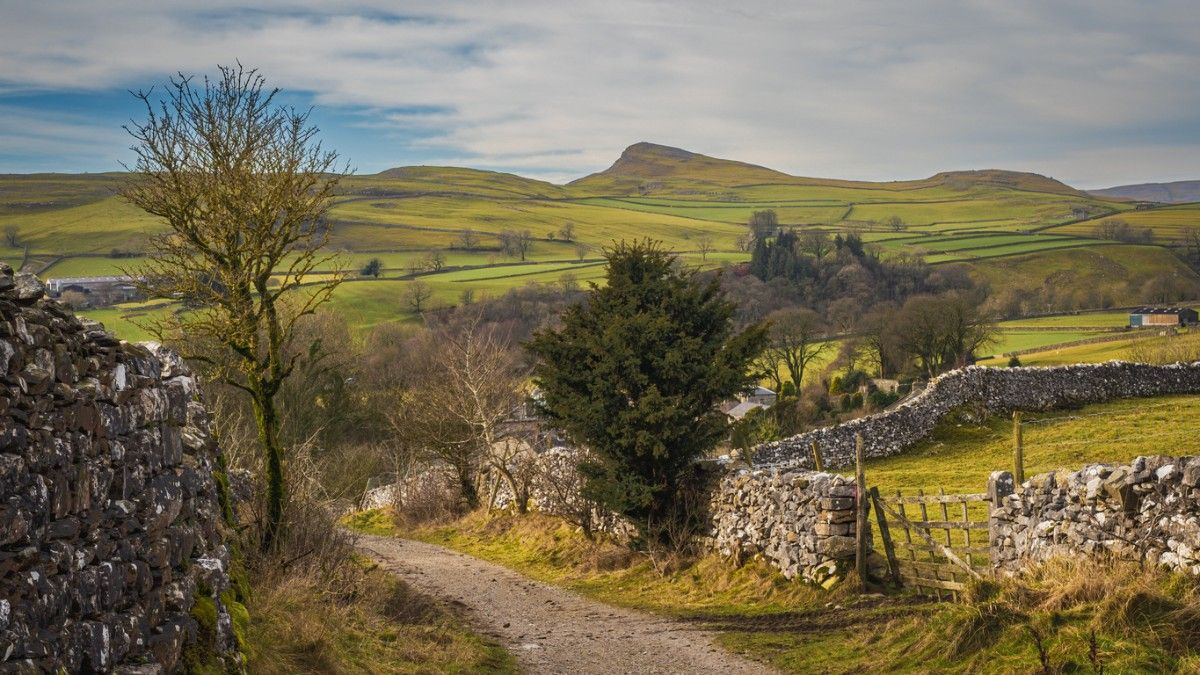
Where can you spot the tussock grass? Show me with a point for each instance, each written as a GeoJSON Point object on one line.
{"type": "Point", "coordinates": [1079, 615]}
{"type": "Point", "coordinates": [364, 622]}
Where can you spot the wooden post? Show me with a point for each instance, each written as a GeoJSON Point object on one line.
{"type": "Point", "coordinates": [1018, 449]}
{"type": "Point", "coordinates": [861, 525]}
{"type": "Point", "coordinates": [888, 547]}
{"type": "Point", "coordinates": [818, 465]}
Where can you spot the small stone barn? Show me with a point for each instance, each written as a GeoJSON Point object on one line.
{"type": "Point", "coordinates": [1162, 316]}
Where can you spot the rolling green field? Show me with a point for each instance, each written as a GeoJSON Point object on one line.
{"type": "Point", "coordinates": [1114, 319]}
{"type": "Point", "coordinates": [958, 456]}
{"type": "Point", "coordinates": [1120, 349]}
{"type": "Point", "coordinates": [1018, 341]}
{"type": "Point", "coordinates": [1168, 222]}
{"type": "Point", "coordinates": [1013, 230]}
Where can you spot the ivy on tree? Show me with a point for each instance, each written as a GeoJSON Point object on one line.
{"type": "Point", "coordinates": [635, 372]}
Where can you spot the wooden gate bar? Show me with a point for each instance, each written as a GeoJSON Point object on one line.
{"type": "Point", "coordinates": [888, 548]}
{"type": "Point", "coordinates": [932, 542]}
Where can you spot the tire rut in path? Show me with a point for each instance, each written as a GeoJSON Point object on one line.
{"type": "Point", "coordinates": [550, 629]}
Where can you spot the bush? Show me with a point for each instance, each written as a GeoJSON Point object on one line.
{"type": "Point", "coordinates": [373, 268]}
{"type": "Point", "coordinates": [880, 399]}
{"type": "Point", "coordinates": [1014, 361]}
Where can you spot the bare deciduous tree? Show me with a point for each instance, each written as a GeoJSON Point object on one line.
{"type": "Point", "coordinates": [568, 282]}
{"type": "Point", "coordinates": [417, 294]}
{"type": "Point", "coordinates": [743, 242]}
{"type": "Point", "coordinates": [816, 243]}
{"type": "Point", "coordinates": [468, 239]}
{"type": "Point", "coordinates": [435, 261]}
{"type": "Point", "coordinates": [567, 231]}
{"type": "Point", "coordinates": [939, 332]}
{"type": "Point", "coordinates": [12, 235]}
{"type": "Point", "coordinates": [516, 242]}
{"type": "Point", "coordinates": [243, 185]}
{"type": "Point", "coordinates": [797, 339]}
{"type": "Point", "coordinates": [457, 412]}
{"type": "Point", "coordinates": [762, 226]}
{"type": "Point", "coordinates": [704, 244]}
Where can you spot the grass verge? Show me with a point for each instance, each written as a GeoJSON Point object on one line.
{"type": "Point", "coordinates": [365, 621]}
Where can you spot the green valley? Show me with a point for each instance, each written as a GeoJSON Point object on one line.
{"type": "Point", "coordinates": [446, 226]}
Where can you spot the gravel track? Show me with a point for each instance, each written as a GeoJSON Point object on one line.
{"type": "Point", "coordinates": [550, 629]}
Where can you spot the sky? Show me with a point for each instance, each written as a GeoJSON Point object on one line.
{"type": "Point", "coordinates": [1092, 92]}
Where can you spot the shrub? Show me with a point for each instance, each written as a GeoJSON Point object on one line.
{"type": "Point", "coordinates": [373, 268]}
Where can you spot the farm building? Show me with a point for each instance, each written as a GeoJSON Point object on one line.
{"type": "Point", "coordinates": [762, 396]}
{"type": "Point", "coordinates": [742, 409]}
{"type": "Point", "coordinates": [99, 290]}
{"type": "Point", "coordinates": [1162, 316]}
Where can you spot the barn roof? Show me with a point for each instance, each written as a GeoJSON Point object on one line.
{"type": "Point", "coordinates": [1161, 310]}
{"type": "Point", "coordinates": [740, 410]}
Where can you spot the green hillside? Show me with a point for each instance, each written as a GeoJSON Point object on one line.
{"type": "Point", "coordinates": [1015, 230]}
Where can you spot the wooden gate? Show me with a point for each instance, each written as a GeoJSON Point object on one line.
{"type": "Point", "coordinates": [934, 542]}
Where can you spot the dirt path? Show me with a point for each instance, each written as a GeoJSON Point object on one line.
{"type": "Point", "coordinates": [549, 629]}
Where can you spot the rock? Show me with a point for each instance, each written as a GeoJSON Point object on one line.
{"type": "Point", "coordinates": [28, 289]}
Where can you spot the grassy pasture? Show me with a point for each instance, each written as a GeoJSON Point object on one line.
{"type": "Point", "coordinates": [94, 227]}
{"type": "Point", "coordinates": [1119, 349]}
{"type": "Point", "coordinates": [25, 195]}
{"type": "Point", "coordinates": [1017, 341]}
{"type": "Point", "coordinates": [1167, 223]}
{"type": "Point", "coordinates": [1028, 247]}
{"type": "Point", "coordinates": [959, 455]}
{"type": "Point", "coordinates": [1116, 272]}
{"type": "Point", "coordinates": [727, 212]}
{"type": "Point", "coordinates": [1046, 208]}
{"type": "Point", "coordinates": [1113, 319]}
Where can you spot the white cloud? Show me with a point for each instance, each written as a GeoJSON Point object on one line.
{"type": "Point", "coordinates": [866, 89]}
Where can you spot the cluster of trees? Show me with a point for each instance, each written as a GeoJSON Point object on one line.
{"type": "Point", "coordinates": [836, 276]}
{"type": "Point", "coordinates": [928, 334]}
{"type": "Point", "coordinates": [1117, 229]}
{"type": "Point", "coordinates": [516, 242]}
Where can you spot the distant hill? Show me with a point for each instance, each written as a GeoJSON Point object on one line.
{"type": "Point", "coordinates": [1016, 180]}
{"type": "Point", "coordinates": [453, 180]}
{"type": "Point", "coordinates": [649, 162]}
{"type": "Point", "coordinates": [649, 167]}
{"type": "Point", "coordinates": [1177, 192]}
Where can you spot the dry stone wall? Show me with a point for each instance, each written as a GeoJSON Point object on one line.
{"type": "Point", "coordinates": [994, 390]}
{"type": "Point", "coordinates": [110, 519]}
{"type": "Point", "coordinates": [1146, 510]}
{"type": "Point", "coordinates": [801, 522]}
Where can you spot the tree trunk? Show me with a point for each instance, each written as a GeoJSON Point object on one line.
{"type": "Point", "coordinates": [466, 483]}
{"type": "Point", "coordinates": [267, 420]}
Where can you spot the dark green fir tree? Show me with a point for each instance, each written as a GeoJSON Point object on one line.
{"type": "Point", "coordinates": [634, 373]}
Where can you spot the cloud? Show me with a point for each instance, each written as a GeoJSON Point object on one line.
{"type": "Point", "coordinates": [864, 89]}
